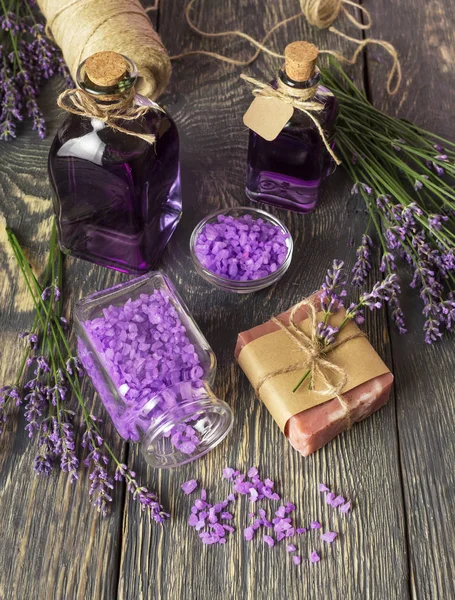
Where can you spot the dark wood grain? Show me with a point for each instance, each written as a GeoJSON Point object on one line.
{"type": "Point", "coordinates": [423, 34]}
{"type": "Point", "coordinates": [54, 544]}
{"type": "Point", "coordinates": [207, 100]}
{"type": "Point", "coordinates": [397, 466]}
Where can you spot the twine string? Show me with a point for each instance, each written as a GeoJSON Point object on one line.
{"type": "Point", "coordinates": [315, 357]}
{"type": "Point", "coordinates": [79, 102]}
{"type": "Point", "coordinates": [300, 102]}
{"type": "Point", "coordinates": [319, 13]}
{"type": "Point", "coordinates": [83, 27]}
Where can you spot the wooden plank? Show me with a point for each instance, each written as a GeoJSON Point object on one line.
{"type": "Point", "coordinates": [426, 399]}
{"type": "Point", "coordinates": [54, 543]}
{"type": "Point", "coordinates": [369, 560]}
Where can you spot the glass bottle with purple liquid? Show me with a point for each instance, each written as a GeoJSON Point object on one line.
{"type": "Point", "coordinates": [288, 172]}
{"type": "Point", "coordinates": [116, 196]}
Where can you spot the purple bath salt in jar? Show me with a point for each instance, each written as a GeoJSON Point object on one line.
{"type": "Point", "coordinates": [153, 369]}
{"type": "Point", "coordinates": [288, 171]}
{"type": "Point", "coordinates": [116, 195]}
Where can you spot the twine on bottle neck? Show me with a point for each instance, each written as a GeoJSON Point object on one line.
{"type": "Point", "coordinates": [319, 13]}
{"type": "Point", "coordinates": [300, 99]}
{"type": "Point", "coordinates": [79, 102]}
{"type": "Point", "coordinates": [315, 359]}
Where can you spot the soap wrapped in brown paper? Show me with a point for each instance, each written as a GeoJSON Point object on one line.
{"type": "Point", "coordinates": [307, 417]}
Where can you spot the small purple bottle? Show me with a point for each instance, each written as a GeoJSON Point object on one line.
{"type": "Point", "coordinates": [116, 196]}
{"type": "Point", "coordinates": [288, 172]}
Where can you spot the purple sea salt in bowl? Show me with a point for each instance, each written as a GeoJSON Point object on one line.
{"type": "Point", "coordinates": [153, 369]}
{"type": "Point", "coordinates": [241, 249]}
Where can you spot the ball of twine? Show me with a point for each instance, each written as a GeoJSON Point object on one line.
{"type": "Point", "coordinates": [83, 27]}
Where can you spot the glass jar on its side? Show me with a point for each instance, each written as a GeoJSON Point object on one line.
{"type": "Point", "coordinates": [153, 369]}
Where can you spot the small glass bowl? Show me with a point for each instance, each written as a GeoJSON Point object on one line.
{"type": "Point", "coordinates": [230, 285]}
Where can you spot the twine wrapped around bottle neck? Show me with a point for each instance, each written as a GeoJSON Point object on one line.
{"type": "Point", "coordinates": [321, 14]}
{"type": "Point", "coordinates": [79, 102]}
{"type": "Point", "coordinates": [300, 99]}
{"type": "Point", "coordinates": [315, 359]}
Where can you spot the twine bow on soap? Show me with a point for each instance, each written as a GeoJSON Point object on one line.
{"type": "Point", "coordinates": [79, 102]}
{"type": "Point", "coordinates": [315, 360]}
{"type": "Point", "coordinates": [301, 102]}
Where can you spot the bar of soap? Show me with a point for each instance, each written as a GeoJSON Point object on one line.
{"type": "Point", "coordinates": [311, 429]}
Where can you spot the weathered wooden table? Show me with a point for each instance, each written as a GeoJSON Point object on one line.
{"type": "Point", "coordinates": [398, 465]}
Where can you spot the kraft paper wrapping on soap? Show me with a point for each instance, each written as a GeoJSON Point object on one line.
{"type": "Point", "coordinates": [277, 350]}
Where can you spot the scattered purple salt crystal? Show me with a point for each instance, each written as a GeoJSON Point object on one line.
{"type": "Point", "coordinates": [346, 507]}
{"type": "Point", "coordinates": [290, 532]}
{"type": "Point", "coordinates": [289, 508]}
{"type": "Point", "coordinates": [314, 557]}
{"type": "Point", "coordinates": [329, 536]}
{"type": "Point", "coordinates": [281, 512]}
{"type": "Point", "coordinates": [330, 498]}
{"type": "Point", "coordinates": [300, 530]}
{"type": "Point", "coordinates": [228, 473]}
{"type": "Point", "coordinates": [251, 515]}
{"type": "Point", "coordinates": [280, 536]}
{"type": "Point", "coordinates": [269, 540]}
{"type": "Point", "coordinates": [338, 501]}
{"type": "Point", "coordinates": [203, 494]}
{"type": "Point", "coordinates": [257, 523]}
{"type": "Point", "coordinates": [241, 248]}
{"type": "Point", "coordinates": [231, 498]}
{"type": "Point", "coordinates": [296, 560]}
{"type": "Point", "coordinates": [200, 525]}
{"type": "Point", "coordinates": [315, 525]}
{"type": "Point", "coordinates": [290, 548]}
{"type": "Point", "coordinates": [229, 528]}
{"type": "Point", "coordinates": [253, 494]}
{"type": "Point", "coordinates": [252, 472]}
{"type": "Point", "coordinates": [243, 487]}
{"type": "Point", "coordinates": [218, 529]}
{"type": "Point", "coordinates": [323, 488]}
{"type": "Point", "coordinates": [193, 520]}
{"type": "Point", "coordinates": [189, 486]}
{"type": "Point", "coordinates": [248, 533]}
{"type": "Point", "coordinates": [200, 504]}
{"type": "Point", "coordinates": [226, 516]}
{"type": "Point", "coordinates": [269, 483]}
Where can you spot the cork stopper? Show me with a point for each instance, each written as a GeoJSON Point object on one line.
{"type": "Point", "coordinates": [106, 69]}
{"type": "Point", "coordinates": [300, 60]}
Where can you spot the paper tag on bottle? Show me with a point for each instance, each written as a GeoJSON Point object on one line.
{"type": "Point", "coordinates": [267, 116]}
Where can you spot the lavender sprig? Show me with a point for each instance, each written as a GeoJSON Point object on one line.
{"type": "Point", "coordinates": [57, 375]}
{"type": "Point", "coordinates": [384, 291]}
{"type": "Point", "coordinates": [27, 59]}
{"type": "Point", "coordinates": [410, 195]}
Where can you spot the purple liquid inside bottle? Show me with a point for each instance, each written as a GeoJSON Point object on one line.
{"type": "Point", "coordinates": [116, 196]}
{"type": "Point", "coordinates": [288, 172]}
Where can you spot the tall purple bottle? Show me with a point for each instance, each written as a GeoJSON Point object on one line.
{"type": "Point", "coordinates": [288, 172]}
{"type": "Point", "coordinates": [116, 196]}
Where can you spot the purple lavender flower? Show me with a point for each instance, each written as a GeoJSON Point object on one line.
{"type": "Point", "coordinates": [438, 169]}
{"type": "Point", "coordinates": [387, 262]}
{"type": "Point", "coordinates": [147, 500]}
{"type": "Point", "coordinates": [101, 482]}
{"type": "Point", "coordinates": [362, 265]}
{"type": "Point", "coordinates": [68, 459]}
{"type": "Point", "coordinates": [35, 404]}
{"type": "Point", "coordinates": [326, 333]}
{"type": "Point", "coordinates": [382, 292]}
{"type": "Point", "coordinates": [435, 222]}
{"type": "Point", "coordinates": [397, 313]}
{"type": "Point", "coordinates": [332, 292]}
